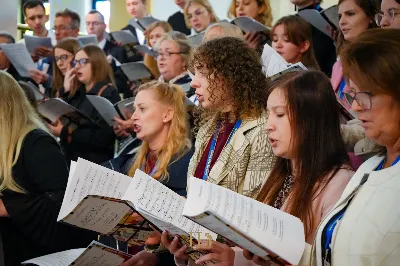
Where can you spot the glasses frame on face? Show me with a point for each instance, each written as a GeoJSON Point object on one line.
{"type": "Point", "coordinates": [62, 57]}
{"type": "Point", "coordinates": [82, 62]}
{"type": "Point", "coordinates": [391, 15]}
{"type": "Point", "coordinates": [363, 99]}
{"type": "Point", "coordinates": [167, 54]}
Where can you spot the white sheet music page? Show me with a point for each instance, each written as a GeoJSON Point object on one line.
{"type": "Point", "coordinates": [277, 231]}
{"type": "Point", "coordinates": [153, 197]}
{"type": "Point", "coordinates": [20, 58]}
{"type": "Point", "coordinates": [91, 179]}
{"type": "Point", "coordinates": [63, 258]}
{"type": "Point", "coordinates": [273, 62]}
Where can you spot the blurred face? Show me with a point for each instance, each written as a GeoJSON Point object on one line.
{"type": "Point", "coordinates": [391, 14]}
{"type": "Point", "coordinates": [352, 20]}
{"type": "Point", "coordinates": [169, 60]}
{"type": "Point", "coordinates": [381, 122]}
{"type": "Point", "coordinates": [36, 19]}
{"type": "Point", "coordinates": [4, 62]}
{"type": "Point", "coordinates": [63, 29]}
{"type": "Point", "coordinates": [181, 3]}
{"type": "Point", "coordinates": [83, 68]}
{"type": "Point", "coordinates": [151, 117]}
{"type": "Point", "coordinates": [156, 35]}
{"type": "Point", "coordinates": [288, 50]}
{"type": "Point", "coordinates": [210, 95]}
{"type": "Point", "coordinates": [248, 8]}
{"type": "Point", "coordinates": [278, 125]}
{"type": "Point", "coordinates": [94, 26]}
{"type": "Point", "coordinates": [199, 17]}
{"type": "Point", "coordinates": [213, 33]}
{"type": "Point", "coordinates": [136, 8]}
{"type": "Point", "coordinates": [63, 59]}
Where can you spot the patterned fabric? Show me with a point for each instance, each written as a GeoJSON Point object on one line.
{"type": "Point", "coordinates": [284, 192]}
{"type": "Point", "coordinates": [244, 164]}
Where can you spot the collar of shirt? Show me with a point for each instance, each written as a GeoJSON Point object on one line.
{"type": "Point", "coordinates": [102, 44]}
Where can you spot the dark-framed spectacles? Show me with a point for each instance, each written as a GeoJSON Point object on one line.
{"type": "Point", "coordinates": [362, 98]}
{"type": "Point", "coordinates": [167, 54]}
{"type": "Point", "coordinates": [82, 62]}
{"type": "Point", "coordinates": [391, 15]}
{"type": "Point", "coordinates": [62, 57]}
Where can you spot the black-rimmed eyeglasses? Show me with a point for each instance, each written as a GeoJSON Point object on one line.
{"type": "Point", "coordinates": [362, 98]}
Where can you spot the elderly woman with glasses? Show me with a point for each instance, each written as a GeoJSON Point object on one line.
{"type": "Point", "coordinates": [389, 17]}
{"type": "Point", "coordinates": [88, 74]}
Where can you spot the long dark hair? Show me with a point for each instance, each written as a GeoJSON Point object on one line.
{"type": "Point", "coordinates": [318, 147]}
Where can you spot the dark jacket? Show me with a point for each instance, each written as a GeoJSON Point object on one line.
{"type": "Point", "coordinates": [325, 51]}
{"type": "Point", "coordinates": [32, 229]}
{"type": "Point", "coordinates": [91, 141]}
{"type": "Point", "coordinates": [132, 54]}
{"type": "Point", "coordinates": [177, 21]}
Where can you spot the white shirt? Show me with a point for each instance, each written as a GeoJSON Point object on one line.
{"type": "Point", "coordinates": [102, 44]}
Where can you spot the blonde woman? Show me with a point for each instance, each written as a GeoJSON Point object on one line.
{"type": "Point", "coordinates": [153, 34]}
{"type": "Point", "coordinates": [199, 14]}
{"type": "Point", "coordinates": [160, 122]}
{"type": "Point", "coordinates": [33, 178]}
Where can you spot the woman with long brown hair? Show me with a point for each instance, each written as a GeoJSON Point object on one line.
{"type": "Point", "coordinates": [92, 141]}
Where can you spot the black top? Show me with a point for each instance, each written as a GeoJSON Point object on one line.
{"type": "Point", "coordinates": [325, 50]}
{"type": "Point", "coordinates": [177, 21]}
{"type": "Point", "coordinates": [93, 141]}
{"type": "Point", "coordinates": [32, 229]}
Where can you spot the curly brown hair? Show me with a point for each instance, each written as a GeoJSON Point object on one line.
{"type": "Point", "coordinates": [239, 67]}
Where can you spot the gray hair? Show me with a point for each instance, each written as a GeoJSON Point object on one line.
{"type": "Point", "coordinates": [181, 40]}
{"type": "Point", "coordinates": [94, 11]}
{"type": "Point", "coordinates": [75, 19]}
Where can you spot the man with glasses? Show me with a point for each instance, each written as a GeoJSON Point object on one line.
{"type": "Point", "coordinates": [116, 55]}
{"type": "Point", "coordinates": [389, 17]}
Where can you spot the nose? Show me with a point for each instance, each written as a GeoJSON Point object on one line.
{"type": "Point", "coordinates": [269, 125]}
{"type": "Point", "coordinates": [134, 116]}
{"type": "Point", "coordinates": [384, 22]}
{"type": "Point", "coordinates": [194, 83]}
{"type": "Point", "coordinates": [279, 43]}
{"type": "Point", "coordinates": [356, 107]}
{"type": "Point", "coordinates": [342, 21]}
{"type": "Point", "coordinates": [240, 6]}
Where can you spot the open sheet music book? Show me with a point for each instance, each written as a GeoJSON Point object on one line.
{"type": "Point", "coordinates": [124, 37]}
{"type": "Point", "coordinates": [273, 62]}
{"type": "Point", "coordinates": [146, 50]}
{"type": "Point", "coordinates": [248, 24]}
{"type": "Point", "coordinates": [88, 39]}
{"type": "Point", "coordinates": [195, 40]}
{"type": "Point", "coordinates": [54, 109]}
{"type": "Point", "coordinates": [144, 23]}
{"type": "Point", "coordinates": [19, 57]}
{"type": "Point", "coordinates": [110, 203]}
{"type": "Point", "coordinates": [95, 254]}
{"type": "Point", "coordinates": [136, 71]}
{"type": "Point", "coordinates": [33, 42]}
{"type": "Point", "coordinates": [332, 15]}
{"type": "Point", "coordinates": [252, 225]}
{"type": "Point", "coordinates": [39, 96]}
{"type": "Point", "coordinates": [324, 21]}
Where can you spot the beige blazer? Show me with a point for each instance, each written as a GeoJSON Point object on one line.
{"type": "Point", "coordinates": [244, 164]}
{"type": "Point", "coordinates": [369, 232]}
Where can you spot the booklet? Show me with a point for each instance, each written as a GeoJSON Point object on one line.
{"type": "Point", "coordinates": [19, 57]}
{"type": "Point", "coordinates": [263, 230]}
{"type": "Point", "coordinates": [195, 40]}
{"type": "Point", "coordinates": [33, 42]}
{"type": "Point", "coordinates": [324, 21]}
{"type": "Point", "coordinates": [291, 68]}
{"type": "Point", "coordinates": [124, 37]}
{"type": "Point", "coordinates": [142, 24]}
{"type": "Point", "coordinates": [110, 203]}
{"type": "Point", "coordinates": [54, 109]}
{"type": "Point", "coordinates": [136, 71]}
{"type": "Point", "coordinates": [273, 62]}
{"type": "Point", "coordinates": [146, 50]}
{"type": "Point", "coordinates": [39, 96]}
{"type": "Point", "coordinates": [95, 254]}
{"type": "Point", "coordinates": [88, 39]}
{"type": "Point", "coordinates": [248, 24]}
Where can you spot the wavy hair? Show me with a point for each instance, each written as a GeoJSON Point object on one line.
{"type": "Point", "coordinates": [178, 136]}
{"type": "Point", "coordinates": [17, 119]}
{"type": "Point", "coordinates": [264, 18]}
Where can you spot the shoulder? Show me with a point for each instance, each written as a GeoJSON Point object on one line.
{"type": "Point", "coordinates": [175, 15]}
{"type": "Point", "coordinates": [37, 136]}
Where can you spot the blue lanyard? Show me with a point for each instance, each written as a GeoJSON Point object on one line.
{"type": "Point", "coordinates": [214, 143]}
{"type": "Point", "coordinates": [341, 88]}
{"type": "Point", "coordinates": [40, 66]}
{"type": "Point", "coordinates": [380, 166]}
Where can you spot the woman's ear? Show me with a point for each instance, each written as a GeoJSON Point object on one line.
{"type": "Point", "coordinates": [168, 115]}
{"type": "Point", "coordinates": [261, 9]}
{"type": "Point", "coordinates": [305, 46]}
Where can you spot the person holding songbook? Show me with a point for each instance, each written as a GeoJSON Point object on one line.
{"type": "Point", "coordinates": [199, 14]}
{"type": "Point", "coordinates": [292, 39]}
{"type": "Point", "coordinates": [356, 16]}
{"type": "Point", "coordinates": [93, 141]}
{"type": "Point", "coordinates": [389, 17]}
{"type": "Point", "coordinates": [260, 10]}
{"type": "Point", "coordinates": [153, 34]}
{"type": "Point", "coordinates": [33, 179]}
{"type": "Point", "coordinates": [63, 55]}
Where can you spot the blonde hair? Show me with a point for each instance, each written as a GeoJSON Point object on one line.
{"type": "Point", "coordinates": [264, 18]}
{"type": "Point", "coordinates": [228, 30]}
{"type": "Point", "coordinates": [204, 3]}
{"type": "Point", "coordinates": [163, 24]}
{"type": "Point", "coordinates": [178, 136]}
{"type": "Point", "coordinates": [17, 119]}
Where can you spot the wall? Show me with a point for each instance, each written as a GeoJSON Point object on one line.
{"type": "Point", "coordinates": [82, 7]}
{"type": "Point", "coordinates": [8, 16]}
